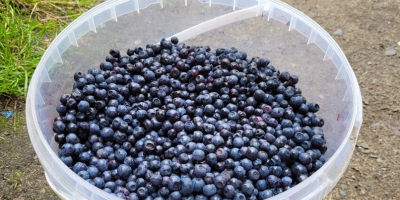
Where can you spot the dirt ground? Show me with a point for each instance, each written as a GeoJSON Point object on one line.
{"type": "Point", "coordinates": [370, 35]}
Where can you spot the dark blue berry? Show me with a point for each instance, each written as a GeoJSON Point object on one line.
{"type": "Point", "coordinates": [247, 188]}
{"type": "Point", "coordinates": [253, 175]}
{"type": "Point", "coordinates": [199, 170]}
{"type": "Point", "coordinates": [66, 149]}
{"type": "Point", "coordinates": [142, 192]}
{"type": "Point", "coordinates": [175, 183]}
{"type": "Point", "coordinates": [84, 174]}
{"type": "Point", "coordinates": [187, 187]}
{"type": "Point", "coordinates": [247, 164]}
{"type": "Point", "coordinates": [198, 155]}
{"type": "Point", "coordinates": [198, 184]}
{"type": "Point", "coordinates": [59, 127]}
{"type": "Point", "coordinates": [99, 182]}
{"type": "Point", "coordinates": [239, 196]}
{"type": "Point", "coordinates": [239, 172]}
{"type": "Point", "coordinates": [220, 181]}
{"type": "Point", "coordinates": [209, 190]}
{"type": "Point", "coordinates": [265, 194]}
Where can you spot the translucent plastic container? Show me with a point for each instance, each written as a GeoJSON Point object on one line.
{"type": "Point", "coordinates": [272, 29]}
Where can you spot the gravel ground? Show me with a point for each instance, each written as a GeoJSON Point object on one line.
{"type": "Point", "coordinates": [369, 34]}
{"type": "Point", "coordinates": [370, 39]}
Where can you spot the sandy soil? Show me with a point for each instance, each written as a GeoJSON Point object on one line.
{"type": "Point", "coordinates": [371, 29]}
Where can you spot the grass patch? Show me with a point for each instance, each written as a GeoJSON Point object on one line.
{"type": "Point", "coordinates": [15, 178]}
{"type": "Point", "coordinates": [28, 28]}
{"type": "Point", "coordinates": [3, 139]}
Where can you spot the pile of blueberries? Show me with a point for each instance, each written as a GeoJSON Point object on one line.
{"type": "Point", "coordinates": [175, 121]}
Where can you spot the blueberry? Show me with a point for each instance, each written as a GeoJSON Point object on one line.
{"type": "Point", "coordinates": [199, 170]}
{"type": "Point", "coordinates": [175, 195]}
{"type": "Point", "coordinates": [247, 188]}
{"type": "Point", "coordinates": [66, 149]}
{"type": "Point", "coordinates": [102, 165]}
{"type": "Point", "coordinates": [78, 149]}
{"type": "Point", "coordinates": [298, 169]}
{"type": "Point", "coordinates": [277, 112]}
{"type": "Point", "coordinates": [83, 174]}
{"type": "Point", "coordinates": [251, 153]}
{"type": "Point", "coordinates": [156, 179]}
{"type": "Point", "coordinates": [217, 141]}
{"type": "Point", "coordinates": [99, 182]}
{"type": "Point", "coordinates": [317, 121]}
{"type": "Point", "coordinates": [110, 185]}
{"type": "Point", "coordinates": [59, 127]}
{"type": "Point", "coordinates": [273, 181]}
{"type": "Point", "coordinates": [209, 110]}
{"type": "Point", "coordinates": [209, 190]}
{"type": "Point", "coordinates": [83, 106]}
{"type": "Point", "coordinates": [239, 172]}
{"type": "Point", "coordinates": [198, 155]}
{"type": "Point", "coordinates": [120, 183]}
{"type": "Point", "coordinates": [253, 175]}
{"type": "Point", "coordinates": [142, 192]}
{"type": "Point", "coordinates": [296, 101]}
{"type": "Point", "coordinates": [200, 197]}
{"type": "Point", "coordinates": [220, 181]}
{"type": "Point", "coordinates": [187, 187]}
{"type": "Point", "coordinates": [229, 191]}
{"type": "Point", "coordinates": [306, 145]}
{"type": "Point", "coordinates": [140, 182]}
{"type": "Point", "coordinates": [163, 192]}
{"type": "Point", "coordinates": [239, 196]}
{"type": "Point", "coordinates": [238, 142]}
{"type": "Point", "coordinates": [317, 165]}
{"type": "Point", "coordinates": [302, 177]}
{"type": "Point", "coordinates": [67, 160]}
{"type": "Point", "coordinates": [92, 171]}
{"type": "Point", "coordinates": [300, 137]}
{"type": "Point", "coordinates": [208, 128]}
{"type": "Point", "coordinates": [165, 170]}
{"type": "Point", "coordinates": [297, 150]}
{"type": "Point", "coordinates": [246, 164]}
{"type": "Point", "coordinates": [198, 184]}
{"type": "Point", "coordinates": [148, 146]}
{"type": "Point", "coordinates": [189, 126]}
{"type": "Point", "coordinates": [265, 194]}
{"type": "Point", "coordinates": [284, 154]}
{"type": "Point", "coordinates": [61, 109]}
{"type": "Point", "coordinates": [120, 155]}
{"type": "Point", "coordinates": [174, 40]}
{"type": "Point", "coordinates": [106, 133]}
{"type": "Point", "coordinates": [209, 178]}
{"type": "Point", "coordinates": [305, 158]}
{"type": "Point", "coordinates": [149, 75]}
{"type": "Point", "coordinates": [295, 79]}
{"type": "Point", "coordinates": [131, 186]}
{"type": "Point", "coordinates": [215, 197]}
{"type": "Point", "coordinates": [141, 170]}
{"type": "Point", "coordinates": [286, 181]}
{"type": "Point", "coordinates": [124, 170]}
{"type": "Point", "coordinates": [174, 183]}
{"type": "Point", "coordinates": [312, 107]}
{"type": "Point", "coordinates": [120, 137]}
{"type": "Point", "coordinates": [222, 154]}
{"type": "Point", "coordinates": [235, 154]}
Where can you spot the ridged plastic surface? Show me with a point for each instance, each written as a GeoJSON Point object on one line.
{"type": "Point", "coordinates": [267, 28]}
